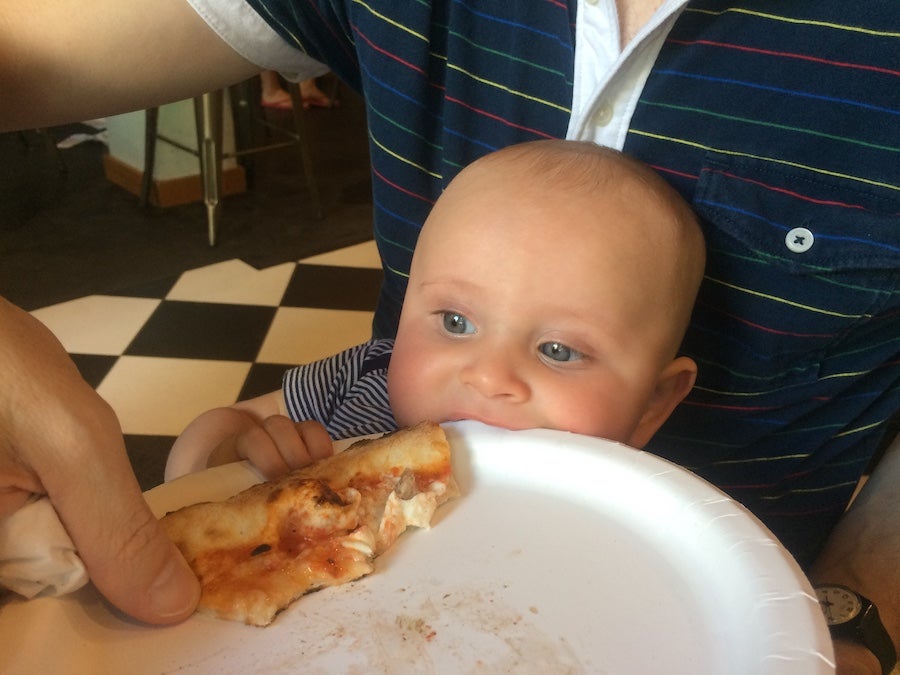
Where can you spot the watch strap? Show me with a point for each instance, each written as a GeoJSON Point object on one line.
{"type": "Point", "coordinates": [868, 630]}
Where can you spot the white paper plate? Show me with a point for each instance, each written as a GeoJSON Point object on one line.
{"type": "Point", "coordinates": [565, 554]}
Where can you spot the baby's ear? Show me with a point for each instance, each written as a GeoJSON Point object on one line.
{"type": "Point", "coordinates": [674, 383]}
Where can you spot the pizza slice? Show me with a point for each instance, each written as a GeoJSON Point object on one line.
{"type": "Point", "coordinates": [318, 526]}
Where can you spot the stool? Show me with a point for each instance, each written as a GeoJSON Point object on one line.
{"type": "Point", "coordinates": [208, 119]}
{"type": "Point", "coordinates": [52, 148]}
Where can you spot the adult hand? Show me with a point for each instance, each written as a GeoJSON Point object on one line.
{"type": "Point", "coordinates": [58, 437]}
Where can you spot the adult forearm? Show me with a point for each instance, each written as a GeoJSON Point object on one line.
{"type": "Point", "coordinates": [863, 552]}
{"type": "Point", "coordinates": [63, 61]}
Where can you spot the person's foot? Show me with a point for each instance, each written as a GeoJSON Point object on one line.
{"type": "Point", "coordinates": [279, 100]}
{"type": "Point", "coordinates": [313, 97]}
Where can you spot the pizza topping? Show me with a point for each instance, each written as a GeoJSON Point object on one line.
{"type": "Point", "coordinates": [406, 487]}
{"type": "Point", "coordinates": [318, 526]}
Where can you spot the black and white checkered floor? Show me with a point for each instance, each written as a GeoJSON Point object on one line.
{"type": "Point", "coordinates": [211, 337]}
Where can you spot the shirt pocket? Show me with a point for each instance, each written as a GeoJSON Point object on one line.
{"type": "Point", "coordinates": [802, 270]}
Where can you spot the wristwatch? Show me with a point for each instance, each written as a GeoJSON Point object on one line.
{"type": "Point", "coordinates": [852, 617]}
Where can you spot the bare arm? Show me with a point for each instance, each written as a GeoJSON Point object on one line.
{"type": "Point", "coordinates": [863, 553]}
{"type": "Point", "coordinates": [255, 430]}
{"type": "Point", "coordinates": [64, 60]}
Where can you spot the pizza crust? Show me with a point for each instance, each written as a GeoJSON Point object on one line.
{"type": "Point", "coordinates": [319, 526]}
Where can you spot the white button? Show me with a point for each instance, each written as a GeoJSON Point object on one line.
{"type": "Point", "coordinates": [799, 240]}
{"type": "Point", "coordinates": [603, 115]}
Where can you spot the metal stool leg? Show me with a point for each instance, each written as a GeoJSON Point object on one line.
{"type": "Point", "coordinates": [208, 113]}
{"type": "Point", "coordinates": [242, 113]}
{"type": "Point", "coordinates": [53, 150]}
{"type": "Point", "coordinates": [151, 123]}
{"type": "Point", "coordinates": [305, 155]}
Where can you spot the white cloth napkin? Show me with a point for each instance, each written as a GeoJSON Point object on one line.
{"type": "Point", "coordinates": [37, 556]}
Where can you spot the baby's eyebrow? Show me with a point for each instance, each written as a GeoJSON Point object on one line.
{"type": "Point", "coordinates": [452, 281]}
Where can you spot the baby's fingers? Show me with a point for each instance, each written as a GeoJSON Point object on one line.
{"type": "Point", "coordinates": [316, 439]}
{"type": "Point", "coordinates": [298, 443]}
{"type": "Point", "coordinates": [259, 447]}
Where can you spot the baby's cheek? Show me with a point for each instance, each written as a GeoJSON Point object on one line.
{"type": "Point", "coordinates": [420, 392]}
{"type": "Point", "coordinates": [404, 392]}
{"type": "Point", "coordinates": [589, 415]}
{"type": "Point", "coordinates": [399, 399]}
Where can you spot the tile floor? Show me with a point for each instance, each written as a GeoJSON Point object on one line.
{"type": "Point", "coordinates": [161, 355]}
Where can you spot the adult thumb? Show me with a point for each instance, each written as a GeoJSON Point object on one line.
{"type": "Point", "coordinates": [129, 557]}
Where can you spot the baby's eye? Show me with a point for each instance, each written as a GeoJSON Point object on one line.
{"type": "Point", "coordinates": [557, 351]}
{"type": "Point", "coordinates": [457, 323]}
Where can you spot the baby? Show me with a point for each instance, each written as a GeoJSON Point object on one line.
{"type": "Point", "coordinates": [550, 288]}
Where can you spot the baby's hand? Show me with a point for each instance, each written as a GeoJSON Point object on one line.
{"type": "Point", "coordinates": [279, 445]}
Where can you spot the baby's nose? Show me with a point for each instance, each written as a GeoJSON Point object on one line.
{"type": "Point", "coordinates": [496, 374]}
